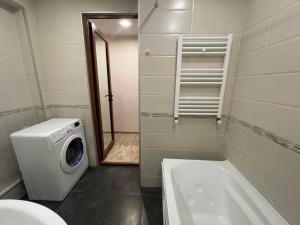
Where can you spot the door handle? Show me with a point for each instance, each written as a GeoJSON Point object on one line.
{"type": "Point", "coordinates": [109, 96]}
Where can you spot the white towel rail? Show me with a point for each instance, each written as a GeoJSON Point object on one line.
{"type": "Point", "coordinates": [201, 46]}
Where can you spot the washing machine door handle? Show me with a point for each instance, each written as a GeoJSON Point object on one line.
{"type": "Point", "coordinates": [73, 153]}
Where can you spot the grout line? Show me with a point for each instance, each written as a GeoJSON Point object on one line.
{"type": "Point", "coordinates": [271, 75]}
{"type": "Point", "coordinates": [256, 100]}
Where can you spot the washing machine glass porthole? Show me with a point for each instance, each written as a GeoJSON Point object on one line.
{"type": "Point", "coordinates": [74, 152]}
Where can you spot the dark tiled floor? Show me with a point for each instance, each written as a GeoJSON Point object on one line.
{"type": "Point", "coordinates": [110, 195]}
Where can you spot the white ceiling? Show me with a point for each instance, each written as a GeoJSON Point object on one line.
{"type": "Point", "coordinates": [112, 28]}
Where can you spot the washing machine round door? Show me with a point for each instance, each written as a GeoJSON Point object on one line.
{"type": "Point", "coordinates": [73, 153]}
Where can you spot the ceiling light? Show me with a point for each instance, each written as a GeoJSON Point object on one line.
{"type": "Point", "coordinates": [125, 23]}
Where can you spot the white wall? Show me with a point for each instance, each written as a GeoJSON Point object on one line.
{"type": "Point", "coordinates": [263, 134]}
{"type": "Point", "coordinates": [124, 75]}
{"type": "Point", "coordinates": [197, 138]}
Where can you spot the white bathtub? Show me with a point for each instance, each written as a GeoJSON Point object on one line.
{"type": "Point", "coordinates": [212, 193]}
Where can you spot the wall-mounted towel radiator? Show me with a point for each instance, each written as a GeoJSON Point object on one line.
{"type": "Point", "coordinates": [201, 47]}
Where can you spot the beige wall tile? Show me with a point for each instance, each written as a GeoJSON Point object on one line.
{"type": "Point", "coordinates": [65, 83]}
{"type": "Point", "coordinates": [283, 121]}
{"type": "Point", "coordinates": [150, 169]}
{"type": "Point", "coordinates": [245, 87]}
{"type": "Point", "coordinates": [220, 5]}
{"type": "Point", "coordinates": [257, 11]}
{"type": "Point", "coordinates": [157, 154]}
{"type": "Point", "coordinates": [266, 95]}
{"type": "Point", "coordinates": [63, 52]}
{"type": "Point", "coordinates": [236, 42]}
{"type": "Point", "coordinates": [82, 113]}
{"type": "Point", "coordinates": [287, 165]}
{"type": "Point", "coordinates": [181, 141]}
{"type": "Point", "coordinates": [262, 149]}
{"type": "Point", "coordinates": [150, 181]}
{"type": "Point", "coordinates": [253, 170]}
{"type": "Point", "coordinates": [157, 85]}
{"type": "Point", "coordinates": [232, 152]}
{"type": "Point", "coordinates": [257, 37]}
{"type": "Point", "coordinates": [156, 104]}
{"type": "Point", "coordinates": [251, 63]}
{"type": "Point", "coordinates": [7, 24]}
{"type": "Point", "coordinates": [229, 87]}
{"type": "Point", "coordinates": [10, 65]}
{"type": "Point", "coordinates": [72, 68]}
{"type": "Point", "coordinates": [9, 46]}
{"type": "Point", "coordinates": [9, 176]}
{"type": "Point", "coordinates": [9, 123]}
{"type": "Point", "coordinates": [8, 160]}
{"type": "Point", "coordinates": [185, 125]}
{"type": "Point", "coordinates": [69, 97]}
{"type": "Point", "coordinates": [282, 161]}
{"type": "Point", "coordinates": [242, 109]}
{"type": "Point", "coordinates": [156, 124]}
{"type": "Point", "coordinates": [236, 134]}
{"type": "Point", "coordinates": [17, 192]}
{"type": "Point", "coordinates": [285, 24]}
{"type": "Point", "coordinates": [282, 4]}
{"type": "Point", "coordinates": [159, 44]}
{"type": "Point", "coordinates": [167, 4]}
{"type": "Point", "coordinates": [157, 66]}
{"type": "Point", "coordinates": [226, 106]}
{"type": "Point", "coordinates": [279, 89]}
{"type": "Point", "coordinates": [61, 35]}
{"type": "Point", "coordinates": [5, 144]}
{"type": "Point", "coordinates": [287, 202]}
{"type": "Point", "coordinates": [233, 65]}
{"type": "Point", "coordinates": [217, 21]}
{"type": "Point", "coordinates": [283, 57]}
{"type": "Point", "coordinates": [165, 21]}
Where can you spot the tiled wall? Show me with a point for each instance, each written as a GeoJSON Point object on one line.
{"type": "Point", "coordinates": [198, 138]}
{"type": "Point", "coordinates": [19, 104]}
{"type": "Point", "coordinates": [63, 57]}
{"type": "Point", "coordinates": [263, 134]}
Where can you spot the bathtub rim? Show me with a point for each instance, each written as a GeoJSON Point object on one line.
{"type": "Point", "coordinates": [34, 210]}
{"type": "Point", "coordinates": [272, 214]}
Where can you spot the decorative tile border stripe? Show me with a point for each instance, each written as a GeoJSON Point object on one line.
{"type": "Point", "coordinates": [41, 108]}
{"type": "Point", "coordinates": [156, 114]}
{"type": "Point", "coordinates": [25, 109]}
{"type": "Point", "coordinates": [71, 106]}
{"type": "Point", "coordinates": [171, 115]}
{"type": "Point", "coordinates": [267, 134]}
{"type": "Point", "coordinates": [13, 111]}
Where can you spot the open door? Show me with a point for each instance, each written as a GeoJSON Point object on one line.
{"type": "Point", "coordinates": [97, 48]}
{"type": "Point", "coordinates": [102, 84]}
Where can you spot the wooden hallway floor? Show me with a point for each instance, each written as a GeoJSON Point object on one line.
{"type": "Point", "coordinates": [125, 149]}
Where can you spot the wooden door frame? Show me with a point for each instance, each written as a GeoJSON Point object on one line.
{"type": "Point", "coordinates": [92, 74]}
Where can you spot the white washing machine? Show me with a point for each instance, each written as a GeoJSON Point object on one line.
{"type": "Point", "coordinates": [52, 157]}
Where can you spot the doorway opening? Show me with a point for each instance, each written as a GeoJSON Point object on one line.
{"type": "Point", "coordinates": [111, 41]}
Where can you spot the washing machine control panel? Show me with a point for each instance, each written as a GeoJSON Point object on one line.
{"type": "Point", "coordinates": [58, 135]}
